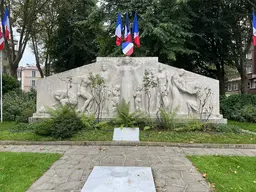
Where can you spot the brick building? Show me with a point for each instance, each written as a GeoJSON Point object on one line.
{"type": "Point", "coordinates": [233, 84]}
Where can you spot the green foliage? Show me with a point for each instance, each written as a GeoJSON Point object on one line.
{"type": "Point", "coordinates": [73, 43]}
{"type": "Point", "coordinates": [66, 122]}
{"type": "Point", "coordinates": [88, 121]}
{"type": "Point", "coordinates": [43, 127]}
{"type": "Point", "coordinates": [188, 127]}
{"type": "Point", "coordinates": [166, 118]}
{"type": "Point", "coordinates": [164, 27]}
{"type": "Point", "coordinates": [96, 80]}
{"type": "Point", "coordinates": [9, 83]}
{"type": "Point", "coordinates": [18, 105]}
{"type": "Point", "coordinates": [104, 125]}
{"type": "Point", "coordinates": [244, 125]}
{"type": "Point", "coordinates": [226, 128]}
{"type": "Point", "coordinates": [239, 107]}
{"type": "Point", "coordinates": [125, 118]}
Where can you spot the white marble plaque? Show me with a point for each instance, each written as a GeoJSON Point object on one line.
{"type": "Point", "coordinates": [120, 179]}
{"type": "Point", "coordinates": [126, 134]}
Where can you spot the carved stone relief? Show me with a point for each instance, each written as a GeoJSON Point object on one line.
{"type": "Point", "coordinates": [146, 84]}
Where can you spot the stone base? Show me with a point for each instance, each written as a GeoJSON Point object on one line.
{"type": "Point", "coordinates": [215, 119]}
{"type": "Point", "coordinates": [120, 179]}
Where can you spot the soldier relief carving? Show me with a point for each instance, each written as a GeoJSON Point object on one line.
{"type": "Point", "coordinates": [146, 88]}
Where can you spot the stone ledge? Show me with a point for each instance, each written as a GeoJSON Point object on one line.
{"type": "Point", "coordinates": [123, 143]}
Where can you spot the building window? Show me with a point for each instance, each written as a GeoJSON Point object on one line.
{"type": "Point", "coordinates": [235, 86]}
{"type": "Point", "coordinates": [33, 73]}
{"type": "Point", "coordinates": [229, 87]}
{"type": "Point", "coordinates": [33, 83]}
{"type": "Point", "coordinates": [249, 85]}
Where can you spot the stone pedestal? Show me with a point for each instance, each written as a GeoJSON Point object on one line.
{"type": "Point", "coordinates": [120, 179]}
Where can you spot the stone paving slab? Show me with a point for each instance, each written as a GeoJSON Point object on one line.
{"type": "Point", "coordinates": [172, 171]}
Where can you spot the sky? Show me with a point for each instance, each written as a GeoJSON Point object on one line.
{"type": "Point", "coordinates": [28, 57]}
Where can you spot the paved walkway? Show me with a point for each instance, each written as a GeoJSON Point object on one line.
{"type": "Point", "coordinates": [172, 171]}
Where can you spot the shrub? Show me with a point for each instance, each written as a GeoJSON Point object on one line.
{"type": "Point", "coordinates": [18, 105]}
{"type": "Point", "coordinates": [9, 83]}
{"type": "Point", "coordinates": [125, 118]}
{"type": "Point", "coordinates": [248, 113]}
{"type": "Point", "coordinates": [88, 121]}
{"type": "Point", "coordinates": [65, 123]}
{"type": "Point", "coordinates": [166, 118]}
{"type": "Point", "coordinates": [43, 127]}
{"type": "Point", "coordinates": [104, 125]}
{"type": "Point", "coordinates": [190, 126]}
{"type": "Point", "coordinates": [225, 128]}
{"type": "Point", "coordinates": [239, 107]}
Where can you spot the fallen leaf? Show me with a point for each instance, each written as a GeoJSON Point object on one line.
{"type": "Point", "coordinates": [102, 149]}
{"type": "Point", "coordinates": [204, 175]}
{"type": "Point", "coordinates": [212, 186]}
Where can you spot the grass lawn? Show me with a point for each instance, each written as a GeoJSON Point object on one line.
{"type": "Point", "coordinates": [227, 173]}
{"type": "Point", "coordinates": [149, 135]}
{"type": "Point", "coordinates": [19, 170]}
{"type": "Point", "coordinates": [244, 125]}
{"type": "Point", "coordinates": [6, 134]}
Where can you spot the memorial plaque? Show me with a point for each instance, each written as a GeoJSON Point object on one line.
{"type": "Point", "coordinates": [126, 134]}
{"type": "Point", "coordinates": [120, 179]}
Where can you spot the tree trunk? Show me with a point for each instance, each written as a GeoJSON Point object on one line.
{"type": "Point", "coordinates": [240, 65]}
{"type": "Point", "coordinates": [221, 77]}
{"type": "Point", "coordinates": [244, 79]}
{"type": "Point", "coordinates": [35, 47]}
{"type": "Point", "coordinates": [47, 65]}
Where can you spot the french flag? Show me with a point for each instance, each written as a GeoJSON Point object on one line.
{"type": "Point", "coordinates": [136, 36]}
{"type": "Point", "coordinates": [1, 38]}
{"type": "Point", "coordinates": [254, 29]}
{"type": "Point", "coordinates": [118, 32]}
{"type": "Point", "coordinates": [6, 24]}
{"type": "Point", "coordinates": [127, 33]}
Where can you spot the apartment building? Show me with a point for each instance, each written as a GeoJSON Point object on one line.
{"type": "Point", "coordinates": [233, 85]}
{"type": "Point", "coordinates": [28, 76]}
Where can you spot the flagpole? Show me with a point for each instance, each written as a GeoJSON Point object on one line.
{"type": "Point", "coordinates": [1, 80]}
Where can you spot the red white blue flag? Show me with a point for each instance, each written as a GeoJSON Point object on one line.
{"type": "Point", "coordinates": [136, 36]}
{"type": "Point", "coordinates": [127, 48]}
{"type": "Point", "coordinates": [118, 32]}
{"type": "Point", "coordinates": [127, 33]}
{"type": "Point", "coordinates": [1, 38]}
{"type": "Point", "coordinates": [254, 29]}
{"type": "Point", "coordinates": [6, 24]}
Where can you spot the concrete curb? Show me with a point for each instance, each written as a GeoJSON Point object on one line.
{"type": "Point", "coordinates": [123, 143]}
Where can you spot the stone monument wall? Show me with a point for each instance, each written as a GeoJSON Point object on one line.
{"type": "Point", "coordinates": [142, 81]}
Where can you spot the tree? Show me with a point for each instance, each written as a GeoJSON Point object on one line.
{"type": "Point", "coordinates": [210, 41]}
{"type": "Point", "coordinates": [44, 28]}
{"type": "Point", "coordinates": [223, 41]}
{"type": "Point", "coordinates": [9, 84]}
{"type": "Point", "coordinates": [73, 44]}
{"type": "Point", "coordinates": [24, 14]}
{"type": "Point", "coordinates": [164, 28]}
{"type": "Point", "coordinates": [240, 22]}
